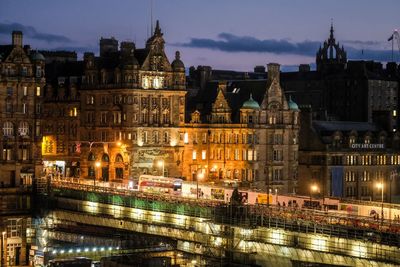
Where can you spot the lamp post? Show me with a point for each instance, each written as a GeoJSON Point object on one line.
{"type": "Point", "coordinates": [97, 164]}
{"type": "Point", "coordinates": [199, 176]}
{"type": "Point", "coordinates": [380, 186]}
{"type": "Point", "coordinates": [3, 234]}
{"type": "Point", "coordinates": [313, 189]}
{"type": "Point", "coordinates": [161, 165]}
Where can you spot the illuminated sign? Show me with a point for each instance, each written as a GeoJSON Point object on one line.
{"type": "Point", "coordinates": [368, 146]}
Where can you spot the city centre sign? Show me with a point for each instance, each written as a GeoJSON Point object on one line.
{"type": "Point", "coordinates": [368, 146]}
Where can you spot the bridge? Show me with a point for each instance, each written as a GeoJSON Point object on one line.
{"type": "Point", "coordinates": [212, 231]}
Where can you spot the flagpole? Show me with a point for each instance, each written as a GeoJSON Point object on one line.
{"type": "Point", "coordinates": [392, 48]}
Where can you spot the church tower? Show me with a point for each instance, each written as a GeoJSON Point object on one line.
{"type": "Point", "coordinates": [331, 56]}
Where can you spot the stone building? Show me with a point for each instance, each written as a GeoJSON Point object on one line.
{"type": "Point", "coordinates": [132, 110]}
{"type": "Point", "coordinates": [348, 159]}
{"type": "Point", "coordinates": [126, 115]}
{"type": "Point", "coordinates": [21, 89]}
{"type": "Point", "coordinates": [233, 137]}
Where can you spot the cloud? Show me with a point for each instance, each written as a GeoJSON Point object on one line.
{"type": "Point", "coordinates": [232, 43]}
{"type": "Point", "coordinates": [31, 32]}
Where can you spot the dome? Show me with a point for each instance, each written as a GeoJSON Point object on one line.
{"type": "Point", "coordinates": [177, 63]}
{"type": "Point", "coordinates": [292, 104]}
{"type": "Point", "coordinates": [251, 104]}
{"type": "Point", "coordinates": [37, 57]}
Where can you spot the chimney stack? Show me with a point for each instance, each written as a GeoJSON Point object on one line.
{"type": "Point", "coordinates": [273, 72]}
{"type": "Point", "coordinates": [17, 38]}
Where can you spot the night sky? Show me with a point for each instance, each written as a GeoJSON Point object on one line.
{"type": "Point", "coordinates": [225, 34]}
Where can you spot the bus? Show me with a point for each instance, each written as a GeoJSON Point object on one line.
{"type": "Point", "coordinates": [160, 184]}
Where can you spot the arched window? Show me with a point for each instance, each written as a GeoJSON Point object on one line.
{"type": "Point", "coordinates": [91, 157]}
{"type": "Point", "coordinates": [119, 158]}
{"type": "Point", "coordinates": [23, 129]}
{"type": "Point", "coordinates": [105, 158]}
{"type": "Point", "coordinates": [8, 129]}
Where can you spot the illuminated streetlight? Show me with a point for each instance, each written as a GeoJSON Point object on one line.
{"type": "Point", "coordinates": [161, 164]}
{"type": "Point", "coordinates": [313, 190]}
{"type": "Point", "coordinates": [199, 176]}
{"type": "Point", "coordinates": [381, 186]}
{"type": "Point", "coordinates": [97, 164]}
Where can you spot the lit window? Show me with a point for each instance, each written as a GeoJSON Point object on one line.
{"type": "Point", "coordinates": [8, 129]}
{"type": "Point", "coordinates": [203, 154]}
{"type": "Point", "coordinates": [25, 91]}
{"type": "Point", "coordinates": [194, 155]}
{"type": "Point", "coordinates": [186, 138]}
{"type": "Point", "coordinates": [394, 113]}
{"type": "Point", "coordinates": [23, 128]}
{"type": "Point", "coordinates": [38, 91]}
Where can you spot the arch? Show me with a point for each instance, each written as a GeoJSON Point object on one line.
{"type": "Point", "coordinates": [91, 157]}
{"type": "Point", "coordinates": [119, 158]}
{"type": "Point", "coordinates": [105, 158]}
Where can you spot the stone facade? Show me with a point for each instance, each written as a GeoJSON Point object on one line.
{"type": "Point", "coordinates": [252, 142]}
{"type": "Point", "coordinates": [129, 111]}
{"type": "Point", "coordinates": [21, 89]}
{"type": "Point", "coordinates": [348, 159]}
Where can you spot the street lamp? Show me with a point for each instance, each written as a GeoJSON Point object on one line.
{"type": "Point", "coordinates": [199, 176]}
{"type": "Point", "coordinates": [97, 164]}
{"type": "Point", "coordinates": [161, 164]}
{"type": "Point", "coordinates": [314, 189]}
{"type": "Point", "coordinates": [3, 234]}
{"type": "Point", "coordinates": [380, 186]}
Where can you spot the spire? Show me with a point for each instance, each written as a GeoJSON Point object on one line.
{"type": "Point", "coordinates": [157, 30]}
{"type": "Point", "coordinates": [177, 55]}
{"type": "Point", "coordinates": [331, 35]}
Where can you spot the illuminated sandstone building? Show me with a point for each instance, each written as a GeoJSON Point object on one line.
{"type": "Point", "coordinates": [233, 137]}
{"type": "Point", "coordinates": [122, 114]}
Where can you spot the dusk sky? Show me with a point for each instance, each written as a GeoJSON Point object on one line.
{"type": "Point", "coordinates": [225, 34]}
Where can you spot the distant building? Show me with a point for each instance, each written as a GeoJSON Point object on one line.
{"type": "Point", "coordinates": [348, 159]}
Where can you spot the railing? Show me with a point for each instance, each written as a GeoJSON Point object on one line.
{"type": "Point", "coordinates": [245, 215]}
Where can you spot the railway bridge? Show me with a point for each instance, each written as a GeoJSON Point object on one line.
{"type": "Point", "coordinates": [214, 232]}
